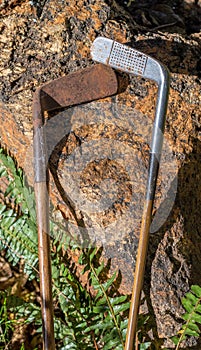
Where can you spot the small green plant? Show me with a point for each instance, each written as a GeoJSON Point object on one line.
{"type": "Point", "coordinates": [18, 234]}
{"type": "Point", "coordinates": [192, 317]}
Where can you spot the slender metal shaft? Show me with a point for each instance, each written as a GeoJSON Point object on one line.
{"type": "Point", "coordinates": [42, 209]}
{"type": "Point", "coordinates": [138, 276]}
{"type": "Point", "coordinates": [156, 147]}
{"type": "Point", "coordinates": [45, 265]}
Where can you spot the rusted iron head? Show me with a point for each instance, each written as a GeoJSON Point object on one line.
{"type": "Point", "coordinates": [83, 86]}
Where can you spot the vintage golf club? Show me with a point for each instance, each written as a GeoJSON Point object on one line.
{"type": "Point", "coordinates": [127, 59]}
{"type": "Point", "coordinates": [82, 86]}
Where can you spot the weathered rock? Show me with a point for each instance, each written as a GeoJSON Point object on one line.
{"type": "Point", "coordinates": [43, 43]}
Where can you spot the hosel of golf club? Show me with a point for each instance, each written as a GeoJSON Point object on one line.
{"type": "Point", "coordinates": [42, 208]}
{"type": "Point", "coordinates": [156, 147]}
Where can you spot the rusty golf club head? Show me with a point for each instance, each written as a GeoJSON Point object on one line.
{"type": "Point", "coordinates": [82, 86]}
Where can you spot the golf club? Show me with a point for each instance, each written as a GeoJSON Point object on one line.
{"type": "Point", "coordinates": [127, 59]}
{"type": "Point", "coordinates": [82, 86]}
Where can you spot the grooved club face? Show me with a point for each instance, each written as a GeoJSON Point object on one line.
{"type": "Point", "coordinates": [118, 56]}
{"type": "Point", "coordinates": [126, 59]}
{"type": "Point", "coordinates": [129, 60]}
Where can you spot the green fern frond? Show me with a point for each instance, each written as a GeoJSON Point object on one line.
{"type": "Point", "coordinates": [16, 188]}
{"type": "Point", "coordinates": [114, 307]}
{"type": "Point", "coordinates": [18, 233]}
{"type": "Point", "coordinates": [192, 317]}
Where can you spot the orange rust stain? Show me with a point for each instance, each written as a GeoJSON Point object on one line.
{"type": "Point", "coordinates": [60, 19]}
{"type": "Point", "coordinates": [11, 137]}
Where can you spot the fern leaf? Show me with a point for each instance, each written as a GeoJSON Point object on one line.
{"type": "Point", "coordinates": [187, 304]}
{"type": "Point", "coordinates": [145, 346]}
{"type": "Point", "coordinates": [192, 316]}
{"type": "Point", "coordinates": [2, 209]}
{"type": "Point", "coordinates": [196, 290]}
{"type": "Point", "coordinates": [121, 308]}
{"type": "Point", "coordinates": [105, 286]}
{"type": "Point", "coordinates": [112, 344]}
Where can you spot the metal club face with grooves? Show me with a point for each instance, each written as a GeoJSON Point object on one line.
{"type": "Point", "coordinates": [134, 62]}
{"type": "Point", "coordinates": [128, 59]}
{"type": "Point", "coordinates": [119, 56]}
{"type": "Point", "coordinates": [125, 58]}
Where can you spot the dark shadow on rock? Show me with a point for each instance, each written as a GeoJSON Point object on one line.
{"type": "Point", "coordinates": [173, 16]}
{"type": "Point", "coordinates": [179, 55]}
{"type": "Point", "coordinates": [189, 202]}
{"type": "Point", "coordinates": [188, 206]}
{"type": "Point", "coordinates": [53, 164]}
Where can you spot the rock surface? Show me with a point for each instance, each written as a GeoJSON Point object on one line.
{"type": "Point", "coordinates": [110, 138]}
